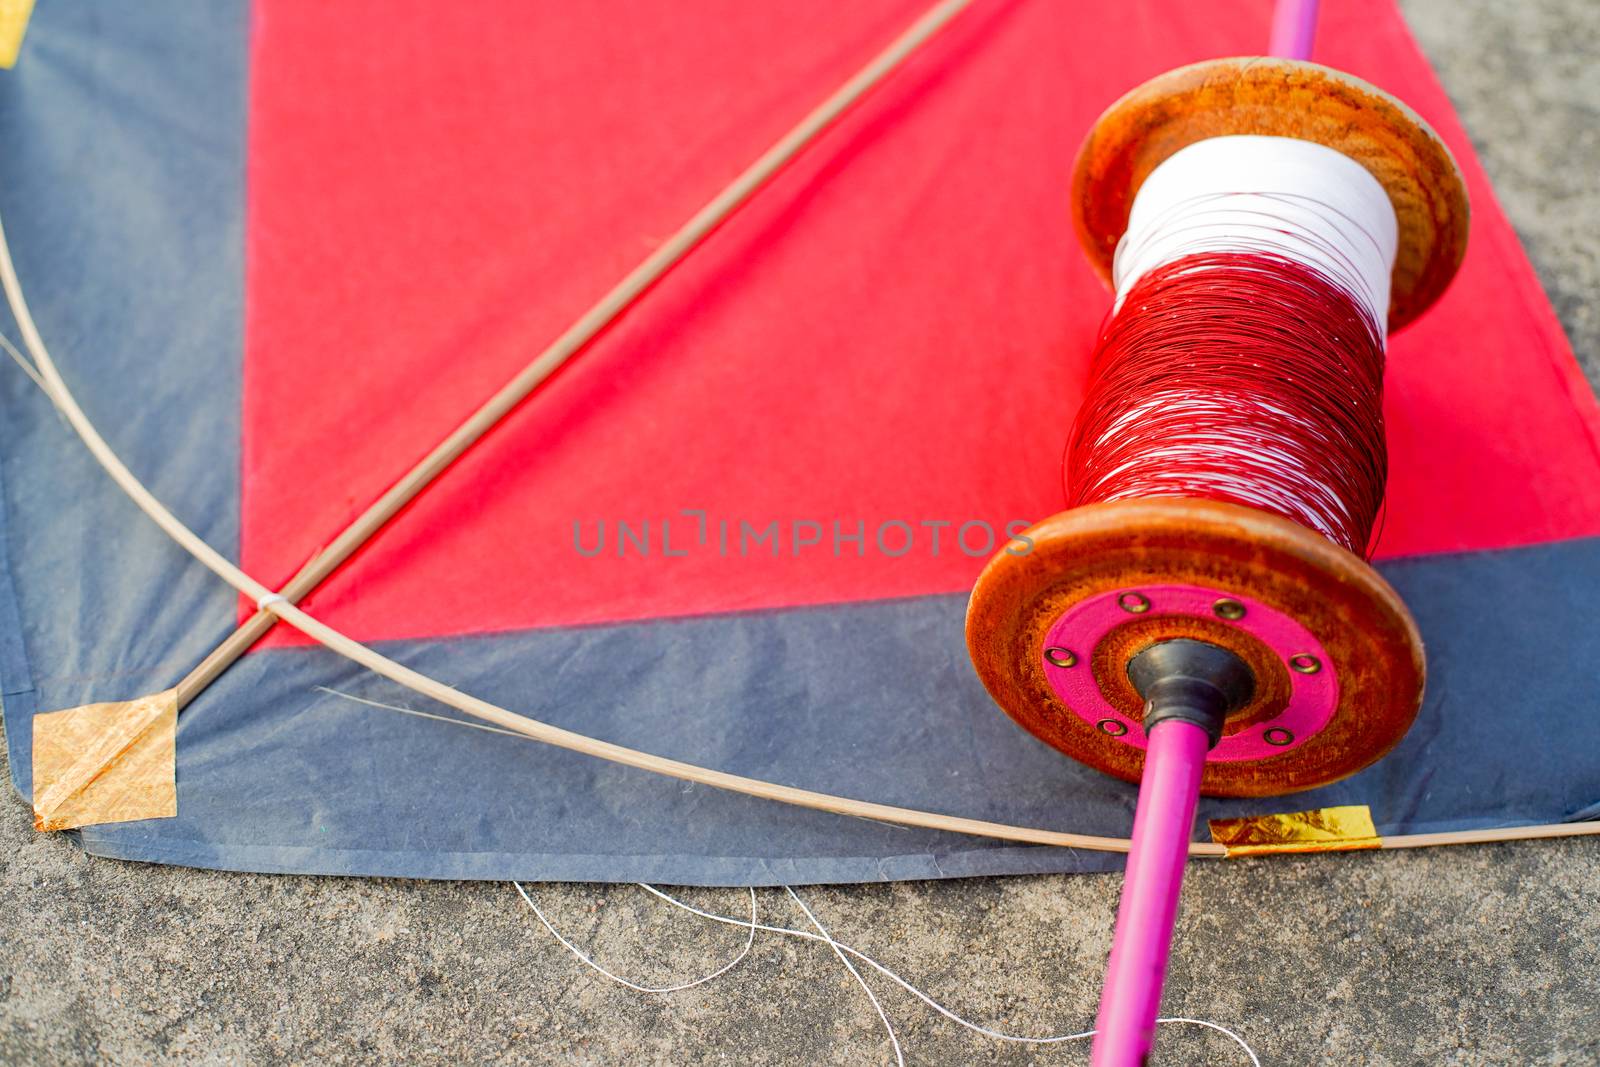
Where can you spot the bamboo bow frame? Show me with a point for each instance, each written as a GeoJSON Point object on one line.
{"type": "Point", "coordinates": [274, 605]}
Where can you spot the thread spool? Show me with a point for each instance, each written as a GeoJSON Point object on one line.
{"type": "Point", "coordinates": [1336, 661]}
{"type": "Point", "coordinates": [1206, 620]}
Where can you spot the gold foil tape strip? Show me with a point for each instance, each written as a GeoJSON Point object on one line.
{"type": "Point", "coordinates": [13, 24]}
{"type": "Point", "coordinates": [1342, 829]}
{"type": "Point", "coordinates": [106, 763]}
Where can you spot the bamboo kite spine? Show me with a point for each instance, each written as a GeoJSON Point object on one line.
{"type": "Point", "coordinates": [572, 341]}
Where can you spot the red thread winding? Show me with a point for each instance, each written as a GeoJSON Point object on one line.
{"type": "Point", "coordinates": [1241, 377]}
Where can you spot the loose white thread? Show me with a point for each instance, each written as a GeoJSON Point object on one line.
{"type": "Point", "coordinates": [719, 972]}
{"type": "Point", "coordinates": [862, 957]}
{"type": "Point", "coordinates": [32, 371]}
{"type": "Point", "coordinates": [838, 950]}
{"type": "Point", "coordinates": [485, 727]}
{"type": "Point", "coordinates": [27, 366]}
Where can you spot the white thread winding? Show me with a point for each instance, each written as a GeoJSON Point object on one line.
{"type": "Point", "coordinates": [844, 949]}
{"type": "Point", "coordinates": [1277, 195]}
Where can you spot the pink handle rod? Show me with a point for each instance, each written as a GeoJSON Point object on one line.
{"type": "Point", "coordinates": [1168, 793]}
{"type": "Point", "coordinates": [1294, 27]}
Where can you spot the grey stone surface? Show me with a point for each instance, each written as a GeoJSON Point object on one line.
{"type": "Point", "coordinates": [1525, 78]}
{"type": "Point", "coordinates": [1482, 955]}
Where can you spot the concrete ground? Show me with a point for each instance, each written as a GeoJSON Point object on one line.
{"type": "Point", "coordinates": [1465, 956]}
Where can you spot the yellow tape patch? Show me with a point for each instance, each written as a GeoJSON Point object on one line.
{"type": "Point", "coordinates": [106, 763]}
{"type": "Point", "coordinates": [13, 24]}
{"type": "Point", "coordinates": [1342, 829]}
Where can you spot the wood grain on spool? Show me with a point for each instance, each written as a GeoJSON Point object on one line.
{"type": "Point", "coordinates": [1280, 98]}
{"type": "Point", "coordinates": [1360, 621]}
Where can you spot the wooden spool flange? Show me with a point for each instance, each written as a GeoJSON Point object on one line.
{"type": "Point", "coordinates": [1369, 658]}
{"type": "Point", "coordinates": [1280, 98]}
{"type": "Point", "coordinates": [1365, 641]}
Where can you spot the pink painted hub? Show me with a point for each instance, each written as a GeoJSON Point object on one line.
{"type": "Point", "coordinates": [1314, 685]}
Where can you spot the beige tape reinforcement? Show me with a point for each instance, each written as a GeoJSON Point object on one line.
{"type": "Point", "coordinates": [13, 24]}
{"type": "Point", "coordinates": [106, 763]}
{"type": "Point", "coordinates": [1341, 829]}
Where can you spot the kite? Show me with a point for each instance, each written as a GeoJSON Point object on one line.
{"type": "Point", "coordinates": [280, 252]}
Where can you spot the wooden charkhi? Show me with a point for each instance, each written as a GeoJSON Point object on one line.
{"type": "Point", "coordinates": [1280, 98]}
{"type": "Point", "coordinates": [1360, 622]}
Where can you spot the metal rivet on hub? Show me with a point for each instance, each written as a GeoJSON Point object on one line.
{"type": "Point", "coordinates": [1228, 608]}
{"type": "Point", "coordinates": [1278, 736]}
{"type": "Point", "coordinates": [1061, 657]}
{"type": "Point", "coordinates": [1305, 663]}
{"type": "Point", "coordinates": [1134, 603]}
{"type": "Point", "coordinates": [1114, 727]}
